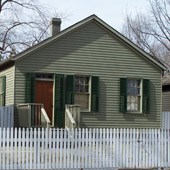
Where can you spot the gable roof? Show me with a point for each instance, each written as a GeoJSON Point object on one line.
{"type": "Point", "coordinates": [76, 26]}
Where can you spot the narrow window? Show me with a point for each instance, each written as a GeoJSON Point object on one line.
{"type": "Point", "coordinates": [133, 95]}
{"type": "Point", "coordinates": [82, 92]}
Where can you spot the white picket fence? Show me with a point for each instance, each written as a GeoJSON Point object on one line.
{"type": "Point", "coordinates": [83, 148]}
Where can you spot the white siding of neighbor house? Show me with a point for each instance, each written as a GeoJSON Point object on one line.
{"type": "Point", "coordinates": [9, 73]}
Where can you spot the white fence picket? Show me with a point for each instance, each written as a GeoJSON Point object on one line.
{"type": "Point", "coordinates": [7, 148]}
{"type": "Point", "coordinates": [3, 149]}
{"type": "Point", "coordinates": [168, 139]}
{"type": "Point", "coordinates": [165, 147]}
{"type": "Point", "coordinates": [57, 148]}
{"type": "Point", "coordinates": [52, 148]}
{"type": "Point", "coordinates": [22, 154]}
{"type": "Point", "coordinates": [11, 148]}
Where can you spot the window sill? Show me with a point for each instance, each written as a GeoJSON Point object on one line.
{"type": "Point", "coordinates": [85, 111]}
{"type": "Point", "coordinates": [136, 113]}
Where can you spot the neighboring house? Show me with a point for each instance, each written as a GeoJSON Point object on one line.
{"type": "Point", "coordinates": [90, 64]}
{"type": "Point", "coordinates": [166, 93]}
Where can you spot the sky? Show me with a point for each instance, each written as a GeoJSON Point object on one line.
{"type": "Point", "coordinates": [112, 12]}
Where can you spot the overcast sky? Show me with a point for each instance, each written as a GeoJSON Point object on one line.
{"type": "Point", "coordinates": [111, 11]}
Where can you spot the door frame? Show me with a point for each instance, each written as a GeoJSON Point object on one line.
{"type": "Point", "coordinates": [49, 79]}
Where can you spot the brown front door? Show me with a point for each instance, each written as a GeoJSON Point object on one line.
{"type": "Point", "coordinates": [44, 94]}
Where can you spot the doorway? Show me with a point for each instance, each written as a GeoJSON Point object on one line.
{"type": "Point", "coordinates": [44, 95]}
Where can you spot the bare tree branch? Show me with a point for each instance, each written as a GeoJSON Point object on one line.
{"type": "Point", "coordinates": [151, 32]}
{"type": "Point", "coordinates": [23, 23]}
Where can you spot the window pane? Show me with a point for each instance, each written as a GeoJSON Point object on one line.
{"type": "Point", "coordinates": [77, 88]}
{"type": "Point", "coordinates": [130, 90]}
{"type": "Point", "coordinates": [133, 87]}
{"type": "Point", "coordinates": [87, 80]}
{"type": "Point", "coordinates": [82, 100]}
{"type": "Point", "coordinates": [44, 76]}
{"type": "Point", "coordinates": [133, 103]}
{"type": "Point", "coordinates": [81, 81]}
{"type": "Point", "coordinates": [77, 80]}
{"type": "Point", "coordinates": [86, 88]}
{"type": "Point", "coordinates": [82, 88]}
{"type": "Point", "coordinates": [135, 91]}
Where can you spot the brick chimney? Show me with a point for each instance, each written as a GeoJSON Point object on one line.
{"type": "Point", "coordinates": [55, 26]}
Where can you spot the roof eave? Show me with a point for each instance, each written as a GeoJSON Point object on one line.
{"type": "Point", "coordinates": [6, 64]}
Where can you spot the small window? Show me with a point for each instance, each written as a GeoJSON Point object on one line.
{"type": "Point", "coordinates": [133, 95]}
{"type": "Point", "coordinates": [44, 76]}
{"type": "Point", "coordinates": [82, 92]}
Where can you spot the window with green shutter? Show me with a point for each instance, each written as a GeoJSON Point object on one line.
{"type": "Point", "coordinates": [2, 90]}
{"type": "Point", "coordinates": [134, 95]}
{"type": "Point", "coordinates": [84, 91]}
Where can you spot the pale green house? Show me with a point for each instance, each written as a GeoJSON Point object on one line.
{"type": "Point", "coordinates": [92, 65]}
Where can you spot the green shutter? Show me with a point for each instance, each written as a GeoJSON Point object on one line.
{"type": "Point", "coordinates": [146, 96]}
{"type": "Point", "coordinates": [123, 95]}
{"type": "Point", "coordinates": [59, 100]}
{"type": "Point", "coordinates": [3, 90]}
{"type": "Point", "coordinates": [70, 89]}
{"type": "Point", "coordinates": [29, 87]}
{"type": "Point", "coordinates": [95, 94]}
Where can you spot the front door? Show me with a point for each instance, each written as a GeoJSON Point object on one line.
{"type": "Point", "coordinates": [44, 95]}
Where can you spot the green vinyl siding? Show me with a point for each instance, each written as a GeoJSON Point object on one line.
{"type": "Point", "coordinates": [8, 84]}
{"type": "Point", "coordinates": [91, 50]}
